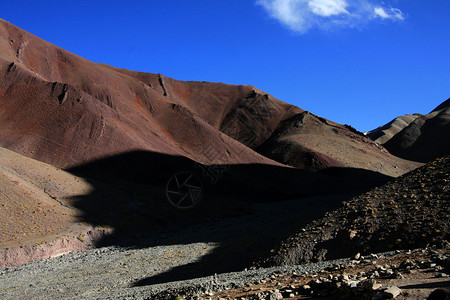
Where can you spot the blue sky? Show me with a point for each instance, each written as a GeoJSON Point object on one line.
{"type": "Point", "coordinates": [354, 62]}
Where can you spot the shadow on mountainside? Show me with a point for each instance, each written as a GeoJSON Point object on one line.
{"type": "Point", "coordinates": [246, 209]}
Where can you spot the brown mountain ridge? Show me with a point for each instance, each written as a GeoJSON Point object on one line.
{"type": "Point", "coordinates": [417, 137]}
{"type": "Point", "coordinates": [62, 109]}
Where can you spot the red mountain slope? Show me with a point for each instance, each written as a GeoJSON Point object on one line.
{"type": "Point", "coordinates": [65, 110]}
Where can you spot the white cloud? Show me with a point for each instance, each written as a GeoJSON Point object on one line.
{"type": "Point", "coordinates": [327, 8]}
{"type": "Point", "coordinates": [302, 15]}
{"type": "Point", "coordinates": [380, 12]}
{"type": "Point", "coordinates": [392, 13]}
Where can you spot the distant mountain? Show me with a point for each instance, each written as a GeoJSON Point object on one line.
{"type": "Point", "coordinates": [417, 137]}
{"type": "Point", "coordinates": [62, 109]}
{"type": "Point", "coordinates": [384, 133]}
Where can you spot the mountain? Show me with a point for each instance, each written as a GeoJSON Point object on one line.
{"type": "Point", "coordinates": [417, 137]}
{"type": "Point", "coordinates": [59, 108]}
{"type": "Point", "coordinates": [384, 133]}
{"type": "Point", "coordinates": [62, 109]}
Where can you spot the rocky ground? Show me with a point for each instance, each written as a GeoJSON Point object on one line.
{"type": "Point", "coordinates": [409, 212]}
{"type": "Point", "coordinates": [191, 255]}
{"type": "Point", "coordinates": [111, 273]}
{"type": "Point", "coordinates": [185, 255]}
{"type": "Point", "coordinates": [400, 274]}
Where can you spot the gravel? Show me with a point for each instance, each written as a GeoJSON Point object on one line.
{"type": "Point", "coordinates": [95, 271]}
{"type": "Point", "coordinates": [119, 272]}
{"type": "Point", "coordinates": [152, 270]}
{"type": "Point", "coordinates": [212, 245]}
{"type": "Point", "coordinates": [110, 273]}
